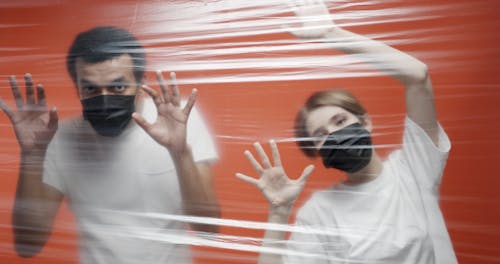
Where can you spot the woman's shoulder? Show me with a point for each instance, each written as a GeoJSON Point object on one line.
{"type": "Point", "coordinates": [319, 200]}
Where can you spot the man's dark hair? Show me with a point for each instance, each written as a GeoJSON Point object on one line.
{"type": "Point", "coordinates": [104, 43]}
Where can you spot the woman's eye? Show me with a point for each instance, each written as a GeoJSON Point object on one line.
{"type": "Point", "coordinates": [320, 137]}
{"type": "Point", "coordinates": [341, 121]}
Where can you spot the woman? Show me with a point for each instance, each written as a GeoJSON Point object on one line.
{"type": "Point", "coordinates": [386, 211]}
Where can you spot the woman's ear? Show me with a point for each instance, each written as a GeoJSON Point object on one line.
{"type": "Point", "coordinates": [367, 122]}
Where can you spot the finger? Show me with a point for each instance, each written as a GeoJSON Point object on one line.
{"type": "Point", "coordinates": [306, 173]}
{"type": "Point", "coordinates": [153, 93]}
{"type": "Point", "coordinates": [254, 162]}
{"type": "Point", "coordinates": [262, 155]}
{"type": "Point", "coordinates": [142, 122]}
{"type": "Point", "coordinates": [53, 119]}
{"type": "Point", "coordinates": [40, 92]}
{"type": "Point", "coordinates": [176, 98]}
{"type": "Point", "coordinates": [5, 107]}
{"type": "Point", "coordinates": [190, 103]}
{"type": "Point", "coordinates": [15, 91]}
{"type": "Point", "coordinates": [276, 153]}
{"type": "Point", "coordinates": [30, 92]}
{"type": "Point", "coordinates": [248, 179]}
{"type": "Point", "coordinates": [163, 86]}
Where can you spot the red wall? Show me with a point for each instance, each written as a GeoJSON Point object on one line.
{"type": "Point", "coordinates": [457, 39]}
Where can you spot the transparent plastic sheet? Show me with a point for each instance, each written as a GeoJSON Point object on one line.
{"type": "Point", "coordinates": [252, 77]}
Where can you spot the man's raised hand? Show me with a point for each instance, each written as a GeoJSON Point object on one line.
{"type": "Point", "coordinates": [33, 124]}
{"type": "Point", "coordinates": [169, 129]}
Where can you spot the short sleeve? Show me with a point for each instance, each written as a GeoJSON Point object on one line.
{"type": "Point", "coordinates": [51, 172]}
{"type": "Point", "coordinates": [425, 160]}
{"type": "Point", "coordinates": [200, 139]}
{"type": "Point", "coordinates": [198, 135]}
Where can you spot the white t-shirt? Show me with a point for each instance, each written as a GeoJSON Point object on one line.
{"type": "Point", "coordinates": [112, 183]}
{"type": "Point", "coordinates": [393, 219]}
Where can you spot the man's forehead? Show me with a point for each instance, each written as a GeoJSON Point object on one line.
{"type": "Point", "coordinates": [105, 71]}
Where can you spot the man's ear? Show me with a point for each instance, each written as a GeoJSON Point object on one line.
{"type": "Point", "coordinates": [140, 92]}
{"type": "Point", "coordinates": [139, 98]}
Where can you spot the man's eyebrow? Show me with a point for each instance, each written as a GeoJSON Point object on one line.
{"type": "Point", "coordinates": [85, 82]}
{"type": "Point", "coordinates": [119, 80]}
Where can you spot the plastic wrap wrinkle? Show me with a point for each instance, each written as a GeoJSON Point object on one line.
{"type": "Point", "coordinates": [221, 161]}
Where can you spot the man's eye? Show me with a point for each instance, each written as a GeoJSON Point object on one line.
{"type": "Point", "coordinates": [119, 88]}
{"type": "Point", "coordinates": [89, 89]}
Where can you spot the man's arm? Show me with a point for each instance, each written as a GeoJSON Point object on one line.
{"type": "Point", "coordinates": [36, 203]}
{"type": "Point", "coordinates": [35, 206]}
{"type": "Point", "coordinates": [170, 131]}
{"type": "Point", "coordinates": [412, 73]}
{"type": "Point", "coordinates": [197, 189]}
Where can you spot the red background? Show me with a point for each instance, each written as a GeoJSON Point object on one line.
{"type": "Point", "coordinates": [457, 39]}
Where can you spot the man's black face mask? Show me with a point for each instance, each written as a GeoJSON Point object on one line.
{"type": "Point", "coordinates": [109, 114]}
{"type": "Point", "coordinates": [348, 149]}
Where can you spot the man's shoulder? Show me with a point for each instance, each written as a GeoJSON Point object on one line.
{"type": "Point", "coordinates": [75, 123]}
{"type": "Point", "coordinates": [73, 128]}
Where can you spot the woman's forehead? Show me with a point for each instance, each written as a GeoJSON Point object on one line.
{"type": "Point", "coordinates": [322, 115]}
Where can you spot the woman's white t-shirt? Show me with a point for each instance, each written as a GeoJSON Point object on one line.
{"type": "Point", "coordinates": [393, 219]}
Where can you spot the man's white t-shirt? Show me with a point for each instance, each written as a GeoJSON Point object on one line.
{"type": "Point", "coordinates": [393, 219]}
{"type": "Point", "coordinates": [116, 186]}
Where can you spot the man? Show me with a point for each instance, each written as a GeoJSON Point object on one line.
{"type": "Point", "coordinates": [127, 166]}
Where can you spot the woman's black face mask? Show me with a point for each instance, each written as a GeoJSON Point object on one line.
{"type": "Point", "coordinates": [109, 114]}
{"type": "Point", "coordinates": [348, 149]}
